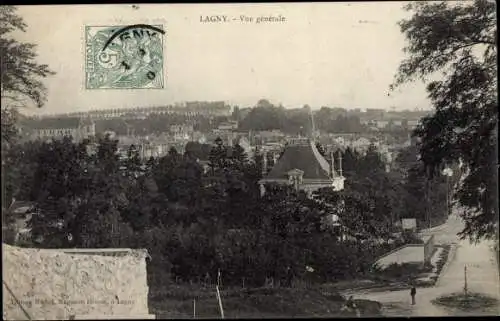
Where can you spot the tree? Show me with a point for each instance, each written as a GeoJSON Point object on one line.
{"type": "Point", "coordinates": [239, 155]}
{"type": "Point", "coordinates": [79, 196]}
{"type": "Point", "coordinates": [372, 160]}
{"type": "Point", "coordinates": [20, 78]}
{"type": "Point", "coordinates": [460, 41]}
{"type": "Point", "coordinates": [22, 163]}
{"type": "Point", "coordinates": [20, 73]}
{"type": "Point", "coordinates": [133, 162]}
{"type": "Point", "coordinates": [197, 150]}
{"type": "Point", "coordinates": [321, 149]}
{"type": "Point", "coordinates": [218, 155]}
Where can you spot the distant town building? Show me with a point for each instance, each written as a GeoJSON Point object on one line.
{"type": "Point", "coordinates": [199, 137]}
{"type": "Point", "coordinates": [110, 133]}
{"type": "Point", "coordinates": [412, 124]}
{"type": "Point", "coordinates": [302, 166]}
{"type": "Point", "coordinates": [196, 108]}
{"type": "Point", "coordinates": [193, 109]}
{"type": "Point", "coordinates": [245, 144]}
{"type": "Point", "coordinates": [77, 128]}
{"type": "Point", "coordinates": [230, 125]}
{"type": "Point", "coordinates": [180, 132]}
{"type": "Point", "coordinates": [269, 136]}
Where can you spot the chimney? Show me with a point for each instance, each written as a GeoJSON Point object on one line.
{"type": "Point", "coordinates": [313, 125]}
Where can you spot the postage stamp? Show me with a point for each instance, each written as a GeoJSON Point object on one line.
{"type": "Point", "coordinates": [124, 57]}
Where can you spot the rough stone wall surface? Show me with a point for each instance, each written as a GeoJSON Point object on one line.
{"type": "Point", "coordinates": [51, 284]}
{"type": "Point", "coordinates": [428, 248]}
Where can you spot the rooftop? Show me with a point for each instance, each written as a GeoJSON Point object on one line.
{"type": "Point", "coordinates": [301, 154]}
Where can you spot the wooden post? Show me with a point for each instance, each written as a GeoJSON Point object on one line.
{"type": "Point", "coordinates": [427, 211]}
{"type": "Point", "coordinates": [220, 302]}
{"type": "Point", "coordinates": [219, 278]}
{"type": "Point", "coordinates": [465, 280]}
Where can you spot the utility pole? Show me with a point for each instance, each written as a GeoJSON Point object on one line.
{"type": "Point", "coordinates": [465, 280]}
{"type": "Point", "coordinates": [448, 210]}
{"type": "Point", "coordinates": [448, 173]}
{"type": "Point", "coordinates": [313, 136]}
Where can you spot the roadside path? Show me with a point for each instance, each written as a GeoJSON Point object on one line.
{"type": "Point", "coordinates": [482, 277]}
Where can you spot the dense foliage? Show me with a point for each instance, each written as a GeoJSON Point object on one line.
{"type": "Point", "coordinates": [195, 221]}
{"type": "Point", "coordinates": [20, 73]}
{"type": "Point", "coordinates": [21, 81]}
{"type": "Point", "coordinates": [266, 116]}
{"type": "Point", "coordinates": [459, 40]}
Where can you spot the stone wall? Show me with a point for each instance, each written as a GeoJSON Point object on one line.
{"type": "Point", "coordinates": [56, 284]}
{"type": "Point", "coordinates": [428, 248]}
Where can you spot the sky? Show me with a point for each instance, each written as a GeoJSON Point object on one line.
{"type": "Point", "coordinates": [323, 54]}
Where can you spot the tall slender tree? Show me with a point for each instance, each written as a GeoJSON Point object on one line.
{"type": "Point", "coordinates": [21, 74]}
{"type": "Point", "coordinates": [458, 40]}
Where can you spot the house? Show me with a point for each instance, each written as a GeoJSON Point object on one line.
{"type": "Point", "coordinates": [302, 166]}
{"type": "Point", "coordinates": [182, 132]}
{"type": "Point", "coordinates": [199, 137]}
{"type": "Point", "coordinates": [412, 124]}
{"type": "Point", "coordinates": [361, 144]}
{"type": "Point", "coordinates": [77, 128]}
{"type": "Point", "coordinates": [230, 125]}
{"type": "Point", "coordinates": [269, 136]}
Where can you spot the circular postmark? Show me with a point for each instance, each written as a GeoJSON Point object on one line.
{"type": "Point", "coordinates": [125, 56]}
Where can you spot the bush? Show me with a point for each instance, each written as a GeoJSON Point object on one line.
{"type": "Point", "coordinates": [404, 269]}
{"type": "Point", "coordinates": [471, 301]}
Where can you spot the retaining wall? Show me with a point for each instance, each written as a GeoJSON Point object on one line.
{"type": "Point", "coordinates": [58, 284]}
{"type": "Point", "coordinates": [428, 248]}
{"type": "Point", "coordinates": [410, 253]}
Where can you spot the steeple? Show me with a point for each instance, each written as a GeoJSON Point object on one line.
{"type": "Point", "coordinates": [313, 125]}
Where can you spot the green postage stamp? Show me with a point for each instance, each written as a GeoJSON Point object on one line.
{"type": "Point", "coordinates": [124, 57]}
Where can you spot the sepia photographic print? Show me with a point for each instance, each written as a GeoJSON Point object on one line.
{"type": "Point", "coordinates": [265, 160]}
